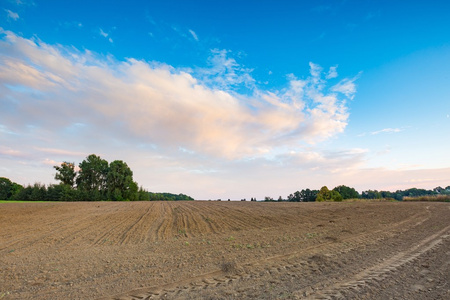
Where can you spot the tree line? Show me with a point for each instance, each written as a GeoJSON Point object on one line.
{"type": "Point", "coordinates": [94, 180]}
{"type": "Point", "coordinates": [97, 180]}
{"type": "Point", "coordinates": [343, 192]}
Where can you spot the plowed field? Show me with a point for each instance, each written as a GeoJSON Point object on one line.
{"type": "Point", "coordinates": [224, 250]}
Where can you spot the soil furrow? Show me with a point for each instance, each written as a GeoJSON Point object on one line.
{"type": "Point", "coordinates": [225, 250]}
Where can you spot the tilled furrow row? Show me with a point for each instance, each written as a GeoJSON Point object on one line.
{"type": "Point", "coordinates": [273, 265]}
{"type": "Point", "coordinates": [385, 268]}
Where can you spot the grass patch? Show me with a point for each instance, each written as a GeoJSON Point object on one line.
{"type": "Point", "coordinates": [369, 200]}
{"type": "Point", "coordinates": [437, 198]}
{"type": "Point", "coordinates": [20, 201]}
{"type": "Point", "coordinates": [311, 235]}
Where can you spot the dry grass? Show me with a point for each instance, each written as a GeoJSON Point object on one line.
{"type": "Point", "coordinates": [369, 200]}
{"type": "Point", "coordinates": [437, 198]}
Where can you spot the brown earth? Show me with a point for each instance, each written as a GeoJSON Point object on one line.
{"type": "Point", "coordinates": [224, 250]}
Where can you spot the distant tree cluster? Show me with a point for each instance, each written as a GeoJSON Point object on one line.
{"type": "Point", "coordinates": [8, 189]}
{"type": "Point", "coordinates": [305, 195]}
{"type": "Point", "coordinates": [326, 195]}
{"type": "Point", "coordinates": [167, 197]}
{"type": "Point", "coordinates": [343, 192]}
{"type": "Point", "coordinates": [399, 194]}
{"type": "Point", "coordinates": [94, 180]}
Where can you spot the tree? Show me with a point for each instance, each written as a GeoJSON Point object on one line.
{"type": "Point", "coordinates": [61, 192]}
{"type": "Point", "coordinates": [294, 197]}
{"type": "Point", "coordinates": [16, 189]}
{"type": "Point", "coordinates": [92, 174]}
{"type": "Point", "coordinates": [297, 196]}
{"type": "Point", "coordinates": [372, 194]}
{"type": "Point", "coordinates": [66, 173]}
{"type": "Point", "coordinates": [308, 195]}
{"type": "Point", "coordinates": [143, 194]}
{"type": "Point", "coordinates": [24, 193]}
{"type": "Point", "coordinates": [38, 192]}
{"type": "Point", "coordinates": [6, 187]}
{"type": "Point", "coordinates": [335, 196]}
{"type": "Point", "coordinates": [326, 195]}
{"type": "Point", "coordinates": [119, 181]}
{"type": "Point", "coordinates": [323, 195]}
{"type": "Point", "coordinates": [346, 192]}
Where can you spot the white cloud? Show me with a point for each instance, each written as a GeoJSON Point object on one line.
{"type": "Point", "coordinates": [60, 151]}
{"type": "Point", "coordinates": [315, 70]}
{"type": "Point", "coordinates": [328, 161]}
{"type": "Point", "coordinates": [12, 15]}
{"type": "Point", "coordinates": [346, 86]}
{"type": "Point", "coordinates": [62, 103]}
{"type": "Point", "coordinates": [158, 104]}
{"type": "Point", "coordinates": [7, 151]}
{"type": "Point", "coordinates": [194, 35]}
{"type": "Point", "coordinates": [387, 130]}
{"type": "Point", "coordinates": [23, 2]}
{"type": "Point", "coordinates": [224, 72]}
{"type": "Point", "coordinates": [102, 33]}
{"type": "Point", "coordinates": [332, 73]}
{"type": "Point", "coordinates": [105, 35]}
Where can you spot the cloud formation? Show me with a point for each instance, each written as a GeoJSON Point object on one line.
{"type": "Point", "coordinates": [386, 130]}
{"type": "Point", "coordinates": [11, 15]}
{"type": "Point", "coordinates": [55, 89]}
{"type": "Point", "coordinates": [194, 35]}
{"type": "Point", "coordinates": [105, 35]}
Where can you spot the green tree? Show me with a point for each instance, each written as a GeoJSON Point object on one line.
{"type": "Point", "coordinates": [143, 194]}
{"type": "Point", "coordinates": [38, 192]}
{"type": "Point", "coordinates": [119, 181]}
{"type": "Point", "coordinates": [335, 196]}
{"type": "Point", "coordinates": [308, 195]}
{"type": "Point", "coordinates": [92, 174]}
{"type": "Point", "coordinates": [61, 192]}
{"type": "Point", "coordinates": [24, 193]}
{"type": "Point", "coordinates": [294, 197]}
{"type": "Point", "coordinates": [6, 188]}
{"type": "Point", "coordinates": [346, 192]}
{"type": "Point", "coordinates": [374, 194]}
{"type": "Point", "coordinates": [326, 195]}
{"type": "Point", "coordinates": [323, 195]}
{"type": "Point", "coordinates": [66, 173]}
{"type": "Point", "coordinates": [16, 188]}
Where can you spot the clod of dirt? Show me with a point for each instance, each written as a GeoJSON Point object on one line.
{"type": "Point", "coordinates": [318, 258]}
{"type": "Point", "coordinates": [331, 238]}
{"type": "Point", "coordinates": [229, 267]}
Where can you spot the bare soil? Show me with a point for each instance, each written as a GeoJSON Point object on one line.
{"type": "Point", "coordinates": [225, 250]}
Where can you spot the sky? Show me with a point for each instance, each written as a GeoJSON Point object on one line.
{"type": "Point", "coordinates": [229, 99]}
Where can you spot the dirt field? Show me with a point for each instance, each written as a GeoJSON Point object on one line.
{"type": "Point", "coordinates": [224, 250]}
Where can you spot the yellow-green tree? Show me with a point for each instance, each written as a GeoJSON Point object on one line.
{"type": "Point", "coordinates": [326, 195]}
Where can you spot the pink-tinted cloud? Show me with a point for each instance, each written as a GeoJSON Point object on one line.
{"type": "Point", "coordinates": [158, 104]}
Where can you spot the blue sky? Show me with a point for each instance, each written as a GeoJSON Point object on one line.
{"type": "Point", "coordinates": [229, 99]}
